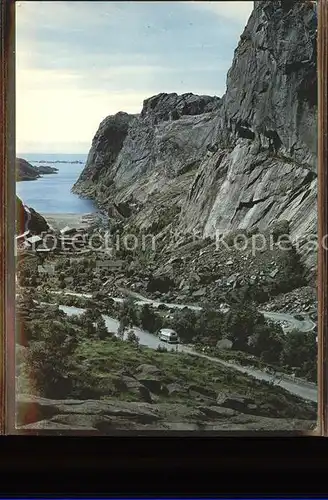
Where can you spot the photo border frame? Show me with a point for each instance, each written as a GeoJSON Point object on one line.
{"type": "Point", "coordinates": [8, 208]}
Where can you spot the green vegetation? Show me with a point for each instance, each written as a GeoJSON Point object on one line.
{"type": "Point", "coordinates": [149, 320]}
{"type": "Point", "coordinates": [67, 358]}
{"type": "Point", "coordinates": [127, 317]}
{"type": "Point", "coordinates": [49, 356]}
{"type": "Point", "coordinates": [300, 353]}
{"type": "Point", "coordinates": [267, 342]}
{"type": "Point", "coordinates": [248, 330]}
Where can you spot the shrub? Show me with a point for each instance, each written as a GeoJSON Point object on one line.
{"type": "Point", "coordinates": [161, 349]}
{"type": "Point", "coordinates": [267, 342]}
{"type": "Point", "coordinates": [101, 329]}
{"type": "Point", "coordinates": [49, 357]}
{"type": "Point", "coordinates": [210, 323]}
{"type": "Point", "coordinates": [133, 338]}
{"type": "Point", "coordinates": [300, 351]}
{"type": "Point", "coordinates": [184, 323]}
{"type": "Point", "coordinates": [149, 320]}
{"type": "Point", "coordinates": [240, 324]}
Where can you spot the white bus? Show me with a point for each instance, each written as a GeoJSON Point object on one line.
{"type": "Point", "coordinates": [168, 335]}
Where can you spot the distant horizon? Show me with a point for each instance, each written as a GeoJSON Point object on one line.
{"type": "Point", "coordinates": [49, 154]}
{"type": "Point", "coordinates": [79, 62]}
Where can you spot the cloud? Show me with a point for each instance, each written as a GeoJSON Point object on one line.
{"type": "Point", "coordinates": [64, 111]}
{"type": "Point", "coordinates": [77, 62]}
{"type": "Point", "coordinates": [237, 12]}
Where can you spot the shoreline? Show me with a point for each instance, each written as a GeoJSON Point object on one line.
{"type": "Point", "coordinates": [73, 220]}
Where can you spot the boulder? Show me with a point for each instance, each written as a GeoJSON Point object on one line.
{"type": "Point", "coordinates": [152, 383]}
{"type": "Point", "coordinates": [203, 391]}
{"type": "Point", "coordinates": [160, 284]}
{"type": "Point", "coordinates": [175, 389]}
{"type": "Point", "coordinates": [31, 409]}
{"type": "Point", "coordinates": [200, 293]}
{"type": "Point", "coordinates": [134, 386]}
{"type": "Point", "coordinates": [146, 369]}
{"type": "Point", "coordinates": [52, 425]}
{"type": "Point", "coordinates": [224, 344]}
{"type": "Point", "coordinates": [234, 401]}
{"type": "Point", "coordinates": [216, 412]}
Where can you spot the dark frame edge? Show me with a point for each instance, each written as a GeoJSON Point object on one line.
{"type": "Point", "coordinates": [7, 209]}
{"type": "Point", "coordinates": [322, 216]}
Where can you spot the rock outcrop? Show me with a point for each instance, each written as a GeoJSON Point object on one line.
{"type": "Point", "coordinates": [45, 169]}
{"type": "Point", "coordinates": [28, 219]}
{"type": "Point", "coordinates": [27, 172]}
{"type": "Point", "coordinates": [241, 161]}
{"type": "Point", "coordinates": [135, 155]}
{"type": "Point", "coordinates": [108, 416]}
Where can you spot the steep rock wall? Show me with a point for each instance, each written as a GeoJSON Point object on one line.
{"type": "Point", "coordinates": [265, 168]}
{"type": "Point", "coordinates": [137, 154]}
{"type": "Point", "coordinates": [253, 152]}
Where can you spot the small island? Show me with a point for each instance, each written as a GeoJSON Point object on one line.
{"type": "Point", "coordinates": [71, 162]}
{"type": "Point", "coordinates": [45, 169]}
{"type": "Point", "coordinates": [27, 172]}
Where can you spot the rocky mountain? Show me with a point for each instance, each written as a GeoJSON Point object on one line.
{"type": "Point", "coordinates": [210, 164]}
{"type": "Point", "coordinates": [27, 172]}
{"type": "Point", "coordinates": [137, 154]}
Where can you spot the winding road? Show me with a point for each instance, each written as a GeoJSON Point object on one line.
{"type": "Point", "coordinates": [306, 325]}
{"type": "Point", "coordinates": [301, 388]}
{"type": "Point", "coordinates": [303, 326]}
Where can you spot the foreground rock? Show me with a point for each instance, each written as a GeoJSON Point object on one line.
{"type": "Point", "coordinates": [29, 219]}
{"type": "Point", "coordinates": [35, 413]}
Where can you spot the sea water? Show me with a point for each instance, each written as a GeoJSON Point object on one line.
{"type": "Point", "coordinates": [51, 193]}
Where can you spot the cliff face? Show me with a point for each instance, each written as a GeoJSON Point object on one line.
{"type": "Point", "coordinates": [271, 86]}
{"type": "Point", "coordinates": [240, 161]}
{"type": "Point", "coordinates": [136, 155]}
{"type": "Point", "coordinates": [268, 120]}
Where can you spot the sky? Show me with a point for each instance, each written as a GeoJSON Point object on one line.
{"type": "Point", "coordinates": [78, 62]}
